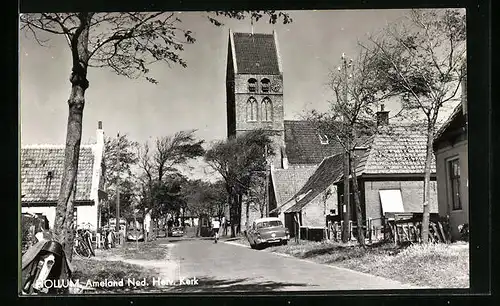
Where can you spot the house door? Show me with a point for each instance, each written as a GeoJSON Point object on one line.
{"type": "Point", "coordinates": [290, 224]}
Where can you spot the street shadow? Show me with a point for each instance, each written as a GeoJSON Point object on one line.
{"type": "Point", "coordinates": [210, 285]}
{"type": "Point", "coordinates": [323, 251]}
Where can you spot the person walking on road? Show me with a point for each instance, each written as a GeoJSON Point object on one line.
{"type": "Point", "coordinates": [223, 229]}
{"type": "Point", "coordinates": [215, 229]}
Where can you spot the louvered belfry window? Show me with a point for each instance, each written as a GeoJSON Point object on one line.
{"type": "Point", "coordinates": [252, 85]}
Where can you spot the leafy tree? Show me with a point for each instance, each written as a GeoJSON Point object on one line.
{"type": "Point", "coordinates": [205, 198]}
{"type": "Point", "coordinates": [256, 198]}
{"type": "Point", "coordinates": [422, 59]}
{"type": "Point", "coordinates": [120, 156]}
{"type": "Point", "coordinates": [239, 160]}
{"type": "Point", "coordinates": [160, 178]}
{"type": "Point", "coordinates": [127, 43]}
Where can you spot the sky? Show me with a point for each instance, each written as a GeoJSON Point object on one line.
{"type": "Point", "coordinates": [192, 97]}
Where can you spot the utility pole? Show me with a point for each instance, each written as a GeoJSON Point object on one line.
{"type": "Point", "coordinates": [136, 230]}
{"type": "Point", "coordinates": [118, 185]}
{"type": "Point", "coordinates": [347, 197]}
{"type": "Point", "coordinates": [266, 207]}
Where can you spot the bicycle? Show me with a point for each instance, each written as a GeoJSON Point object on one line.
{"type": "Point", "coordinates": [82, 247]}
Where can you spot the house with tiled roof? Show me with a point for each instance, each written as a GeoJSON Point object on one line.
{"type": "Point", "coordinates": [41, 174]}
{"type": "Point", "coordinates": [390, 171]}
{"type": "Point", "coordinates": [451, 150]}
{"type": "Point", "coordinates": [254, 100]}
{"type": "Point", "coordinates": [316, 198]}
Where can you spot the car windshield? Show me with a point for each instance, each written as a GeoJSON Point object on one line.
{"type": "Point", "coordinates": [272, 223]}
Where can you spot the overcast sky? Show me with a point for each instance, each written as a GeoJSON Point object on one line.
{"type": "Point", "coordinates": [192, 97]}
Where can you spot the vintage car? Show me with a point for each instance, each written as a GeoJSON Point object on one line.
{"type": "Point", "coordinates": [267, 231]}
{"type": "Point", "coordinates": [135, 229]}
{"type": "Point", "coordinates": [135, 234]}
{"type": "Point", "coordinates": [175, 232]}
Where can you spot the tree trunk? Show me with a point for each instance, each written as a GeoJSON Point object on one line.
{"type": "Point", "coordinates": [427, 185]}
{"type": "Point", "coordinates": [239, 203]}
{"type": "Point", "coordinates": [345, 230]}
{"type": "Point", "coordinates": [357, 202]}
{"type": "Point", "coordinates": [247, 215]}
{"type": "Point", "coordinates": [232, 213]}
{"type": "Point", "coordinates": [63, 226]}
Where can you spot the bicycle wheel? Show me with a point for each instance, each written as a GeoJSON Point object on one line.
{"type": "Point", "coordinates": [86, 249]}
{"type": "Point", "coordinates": [89, 246]}
{"type": "Point", "coordinates": [77, 250]}
{"type": "Point", "coordinates": [81, 249]}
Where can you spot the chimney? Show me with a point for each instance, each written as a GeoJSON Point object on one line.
{"type": "Point", "coordinates": [284, 158]}
{"type": "Point", "coordinates": [382, 116]}
{"type": "Point", "coordinates": [100, 134]}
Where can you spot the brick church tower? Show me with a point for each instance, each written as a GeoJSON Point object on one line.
{"type": "Point", "coordinates": [254, 87]}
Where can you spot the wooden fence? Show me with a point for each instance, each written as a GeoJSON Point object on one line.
{"type": "Point", "coordinates": [399, 228]}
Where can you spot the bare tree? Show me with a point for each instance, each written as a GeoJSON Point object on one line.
{"type": "Point", "coordinates": [423, 60]}
{"type": "Point", "coordinates": [350, 120]}
{"type": "Point", "coordinates": [126, 43]}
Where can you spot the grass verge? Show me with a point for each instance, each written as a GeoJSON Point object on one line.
{"type": "Point", "coordinates": [85, 270]}
{"type": "Point", "coordinates": [150, 250]}
{"type": "Point", "coordinates": [433, 266]}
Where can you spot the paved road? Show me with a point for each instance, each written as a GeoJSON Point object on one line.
{"type": "Point", "coordinates": [229, 267]}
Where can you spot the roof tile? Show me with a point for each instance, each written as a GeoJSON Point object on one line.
{"type": "Point", "coordinates": [288, 181]}
{"type": "Point", "coordinates": [399, 149]}
{"type": "Point", "coordinates": [303, 144]}
{"type": "Point", "coordinates": [328, 172]}
{"type": "Point", "coordinates": [37, 161]}
{"type": "Point", "coordinates": [256, 53]}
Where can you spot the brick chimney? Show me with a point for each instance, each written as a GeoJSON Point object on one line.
{"type": "Point", "coordinates": [382, 116]}
{"type": "Point", "coordinates": [100, 135]}
{"type": "Point", "coordinates": [284, 158]}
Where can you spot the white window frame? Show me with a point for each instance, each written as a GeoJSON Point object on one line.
{"type": "Point", "coordinates": [449, 191]}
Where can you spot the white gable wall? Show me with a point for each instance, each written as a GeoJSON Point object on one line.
{"type": "Point", "coordinates": [49, 212]}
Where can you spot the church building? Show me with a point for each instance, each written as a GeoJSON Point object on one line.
{"type": "Point", "coordinates": [255, 100]}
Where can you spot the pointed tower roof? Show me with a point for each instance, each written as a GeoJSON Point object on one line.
{"type": "Point", "coordinates": [255, 53]}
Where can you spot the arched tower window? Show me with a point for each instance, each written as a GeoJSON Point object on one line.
{"type": "Point", "coordinates": [252, 109]}
{"type": "Point", "coordinates": [252, 85]}
{"type": "Point", "coordinates": [267, 109]}
{"type": "Point", "coordinates": [265, 84]}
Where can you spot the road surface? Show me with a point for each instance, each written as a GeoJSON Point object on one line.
{"type": "Point", "coordinates": [202, 266]}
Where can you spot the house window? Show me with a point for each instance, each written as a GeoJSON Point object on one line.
{"type": "Point", "coordinates": [265, 84]}
{"type": "Point", "coordinates": [267, 109]}
{"type": "Point", "coordinates": [454, 183]}
{"type": "Point", "coordinates": [252, 85]}
{"type": "Point", "coordinates": [252, 109]}
{"type": "Point", "coordinates": [323, 139]}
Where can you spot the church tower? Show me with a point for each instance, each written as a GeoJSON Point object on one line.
{"type": "Point", "coordinates": [254, 87]}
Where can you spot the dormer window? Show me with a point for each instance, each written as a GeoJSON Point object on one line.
{"type": "Point", "coordinates": [252, 85]}
{"type": "Point", "coordinates": [265, 84]}
{"type": "Point", "coordinates": [323, 139]}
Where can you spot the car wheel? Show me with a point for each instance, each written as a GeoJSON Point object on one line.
{"type": "Point", "coordinates": [285, 242]}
